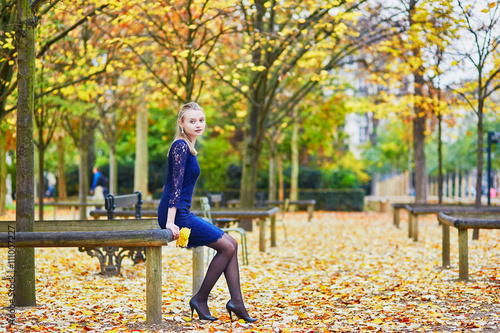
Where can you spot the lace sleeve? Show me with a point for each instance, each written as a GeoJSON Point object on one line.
{"type": "Point", "coordinates": [177, 156]}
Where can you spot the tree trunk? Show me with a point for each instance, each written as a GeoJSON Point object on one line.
{"type": "Point", "coordinates": [113, 171]}
{"type": "Point", "coordinates": [419, 120]}
{"type": "Point", "coordinates": [440, 157]}
{"type": "Point", "coordinates": [141, 152]}
{"type": "Point", "coordinates": [419, 142]}
{"type": "Point", "coordinates": [61, 181]}
{"type": "Point", "coordinates": [40, 176]}
{"type": "Point", "coordinates": [272, 171]}
{"type": "Point", "coordinates": [479, 150]}
{"type": "Point", "coordinates": [249, 173]}
{"type": "Point", "coordinates": [3, 172]}
{"type": "Point", "coordinates": [83, 170]}
{"type": "Point", "coordinates": [281, 186]}
{"type": "Point", "coordinates": [294, 186]}
{"type": "Point", "coordinates": [25, 205]}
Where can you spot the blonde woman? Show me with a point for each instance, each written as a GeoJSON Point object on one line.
{"type": "Point", "coordinates": [173, 213]}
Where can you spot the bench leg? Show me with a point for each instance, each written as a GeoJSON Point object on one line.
{"type": "Point", "coordinates": [410, 225]}
{"type": "Point", "coordinates": [463, 255]}
{"type": "Point", "coordinates": [446, 245]}
{"type": "Point", "coordinates": [415, 227]}
{"type": "Point", "coordinates": [153, 285]}
{"type": "Point", "coordinates": [198, 268]}
{"type": "Point", "coordinates": [310, 211]}
{"type": "Point", "coordinates": [475, 234]}
{"type": "Point", "coordinates": [396, 217]}
{"type": "Point", "coordinates": [262, 235]}
{"type": "Point", "coordinates": [273, 231]}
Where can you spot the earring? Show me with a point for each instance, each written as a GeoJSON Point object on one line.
{"type": "Point", "coordinates": [182, 130]}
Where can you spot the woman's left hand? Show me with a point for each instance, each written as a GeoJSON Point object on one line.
{"type": "Point", "coordinates": [174, 229]}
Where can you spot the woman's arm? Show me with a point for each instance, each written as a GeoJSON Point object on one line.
{"type": "Point", "coordinates": [178, 157]}
{"type": "Point", "coordinates": [171, 222]}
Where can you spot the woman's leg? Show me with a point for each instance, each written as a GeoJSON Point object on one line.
{"type": "Point", "coordinates": [226, 250]}
{"type": "Point", "coordinates": [232, 274]}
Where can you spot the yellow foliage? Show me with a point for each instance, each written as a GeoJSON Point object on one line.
{"type": "Point", "coordinates": [183, 237]}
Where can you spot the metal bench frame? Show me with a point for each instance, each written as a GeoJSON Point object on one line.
{"type": "Point", "coordinates": [205, 206]}
{"type": "Point", "coordinates": [110, 257]}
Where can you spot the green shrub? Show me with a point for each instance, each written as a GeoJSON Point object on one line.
{"type": "Point", "coordinates": [335, 199]}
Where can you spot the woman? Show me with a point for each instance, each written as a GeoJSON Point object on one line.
{"type": "Point", "coordinates": [173, 213]}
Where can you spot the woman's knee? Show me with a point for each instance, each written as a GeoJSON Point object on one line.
{"type": "Point", "coordinates": [225, 245]}
{"type": "Point", "coordinates": [232, 240]}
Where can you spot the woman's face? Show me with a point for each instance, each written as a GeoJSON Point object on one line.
{"type": "Point", "coordinates": [193, 123]}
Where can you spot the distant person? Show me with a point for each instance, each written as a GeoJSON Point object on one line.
{"type": "Point", "coordinates": [99, 188]}
{"type": "Point", "coordinates": [52, 186]}
{"type": "Point", "coordinates": [173, 213]}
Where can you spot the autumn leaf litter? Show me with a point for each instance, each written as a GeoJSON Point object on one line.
{"type": "Point", "coordinates": [342, 272]}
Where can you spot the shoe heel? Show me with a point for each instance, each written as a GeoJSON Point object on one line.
{"type": "Point", "coordinates": [230, 315]}
{"type": "Point", "coordinates": [192, 310]}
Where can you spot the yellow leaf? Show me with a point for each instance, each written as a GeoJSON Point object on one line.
{"type": "Point", "coordinates": [183, 237]}
{"type": "Point", "coordinates": [186, 318]}
{"type": "Point", "coordinates": [244, 88]}
{"type": "Point", "coordinates": [491, 5]}
{"type": "Point", "coordinates": [486, 10]}
{"type": "Point", "coordinates": [378, 321]}
{"type": "Point", "coordinates": [87, 312]}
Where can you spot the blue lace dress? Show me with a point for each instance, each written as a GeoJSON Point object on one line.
{"type": "Point", "coordinates": [182, 172]}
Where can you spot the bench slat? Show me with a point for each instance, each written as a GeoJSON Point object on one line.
{"type": "Point", "coordinates": [125, 200]}
{"type": "Point", "coordinates": [151, 237]}
{"type": "Point", "coordinates": [89, 225]}
{"type": "Point", "coordinates": [471, 220]}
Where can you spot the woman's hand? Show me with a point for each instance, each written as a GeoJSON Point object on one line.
{"type": "Point", "coordinates": [174, 229]}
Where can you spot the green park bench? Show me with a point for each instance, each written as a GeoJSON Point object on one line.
{"type": "Point", "coordinates": [55, 234]}
{"type": "Point", "coordinates": [463, 221]}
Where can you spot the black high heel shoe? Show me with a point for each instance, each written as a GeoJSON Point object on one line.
{"type": "Point", "coordinates": [231, 308]}
{"type": "Point", "coordinates": [194, 306]}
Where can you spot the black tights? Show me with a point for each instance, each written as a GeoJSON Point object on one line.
{"type": "Point", "coordinates": [225, 261]}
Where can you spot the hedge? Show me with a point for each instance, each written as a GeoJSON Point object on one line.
{"type": "Point", "coordinates": [326, 199]}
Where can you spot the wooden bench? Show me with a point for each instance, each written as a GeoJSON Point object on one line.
{"type": "Point", "coordinates": [152, 239]}
{"type": "Point", "coordinates": [72, 205]}
{"type": "Point", "coordinates": [284, 205]}
{"type": "Point", "coordinates": [414, 210]}
{"type": "Point", "coordinates": [260, 214]}
{"type": "Point", "coordinates": [396, 209]}
{"type": "Point", "coordinates": [110, 257]}
{"type": "Point", "coordinates": [464, 221]}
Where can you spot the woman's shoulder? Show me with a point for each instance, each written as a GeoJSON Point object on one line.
{"type": "Point", "coordinates": [179, 143]}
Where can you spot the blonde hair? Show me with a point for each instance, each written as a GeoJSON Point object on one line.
{"type": "Point", "coordinates": [179, 134]}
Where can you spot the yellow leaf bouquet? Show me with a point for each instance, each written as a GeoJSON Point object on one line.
{"type": "Point", "coordinates": [183, 237]}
